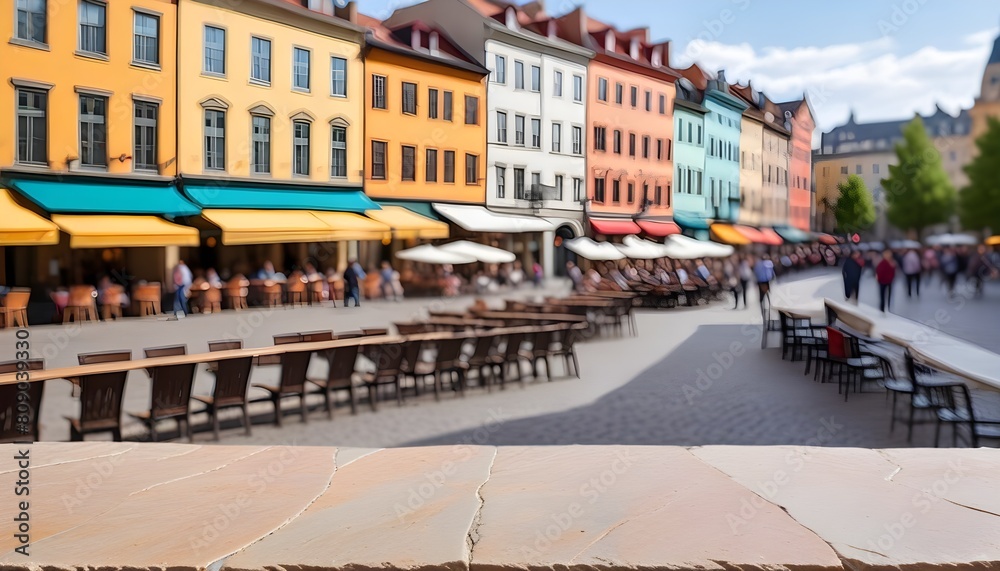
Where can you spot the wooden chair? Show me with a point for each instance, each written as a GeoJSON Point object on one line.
{"type": "Point", "coordinates": [20, 425]}
{"type": "Point", "coordinates": [565, 347]}
{"type": "Point", "coordinates": [317, 293]}
{"type": "Point", "coordinates": [412, 328]}
{"type": "Point", "coordinates": [449, 362]}
{"type": "Point", "coordinates": [283, 339]}
{"type": "Point", "coordinates": [82, 304]}
{"type": "Point", "coordinates": [512, 357]}
{"type": "Point", "coordinates": [317, 336]}
{"type": "Point", "coordinates": [295, 289]}
{"type": "Point", "coordinates": [374, 331]}
{"type": "Point", "coordinates": [210, 300]}
{"type": "Point", "coordinates": [237, 290]}
{"type": "Point", "coordinates": [294, 366]}
{"type": "Point", "coordinates": [171, 392]}
{"type": "Point", "coordinates": [147, 298]}
{"type": "Point", "coordinates": [14, 308]}
{"type": "Point", "coordinates": [340, 377]}
{"type": "Point", "coordinates": [232, 378]}
{"type": "Point", "coordinates": [483, 359]}
{"type": "Point", "coordinates": [388, 360]}
{"type": "Point", "coordinates": [272, 293]}
{"type": "Point", "coordinates": [413, 365]}
{"type": "Point", "coordinates": [111, 302]}
{"type": "Point", "coordinates": [100, 397]}
{"type": "Point", "coordinates": [336, 286]}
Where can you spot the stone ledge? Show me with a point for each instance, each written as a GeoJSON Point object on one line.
{"type": "Point", "coordinates": [572, 508]}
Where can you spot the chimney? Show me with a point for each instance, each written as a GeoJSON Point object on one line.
{"type": "Point", "coordinates": [348, 12]}
{"type": "Point", "coordinates": [434, 43]}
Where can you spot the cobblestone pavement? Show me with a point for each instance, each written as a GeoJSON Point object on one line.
{"type": "Point", "coordinates": [693, 376]}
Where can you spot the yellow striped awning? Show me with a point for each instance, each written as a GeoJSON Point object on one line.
{"type": "Point", "coordinates": [22, 227]}
{"type": "Point", "coordinates": [241, 227]}
{"type": "Point", "coordinates": [726, 234]}
{"type": "Point", "coordinates": [349, 226]}
{"type": "Point", "coordinates": [408, 224]}
{"type": "Point", "coordinates": [116, 231]}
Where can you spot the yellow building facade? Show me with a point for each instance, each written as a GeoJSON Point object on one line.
{"type": "Point", "coordinates": [751, 167]}
{"type": "Point", "coordinates": [425, 123]}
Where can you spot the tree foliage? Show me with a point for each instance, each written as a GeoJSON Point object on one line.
{"type": "Point", "coordinates": [854, 209]}
{"type": "Point", "coordinates": [918, 192]}
{"type": "Point", "coordinates": [979, 203]}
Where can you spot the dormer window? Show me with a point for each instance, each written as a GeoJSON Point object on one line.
{"type": "Point", "coordinates": [511, 18]}
{"type": "Point", "coordinates": [553, 29]}
{"type": "Point", "coordinates": [656, 58]}
{"type": "Point", "coordinates": [633, 48]}
{"type": "Point", "coordinates": [609, 41]}
{"type": "Point", "coordinates": [415, 39]}
{"type": "Point", "coordinates": [434, 43]}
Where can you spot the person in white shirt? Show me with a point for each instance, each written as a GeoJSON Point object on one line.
{"type": "Point", "coordinates": [912, 268]}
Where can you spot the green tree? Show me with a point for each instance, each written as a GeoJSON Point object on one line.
{"type": "Point", "coordinates": [854, 209]}
{"type": "Point", "coordinates": [979, 203]}
{"type": "Point", "coordinates": [918, 192]}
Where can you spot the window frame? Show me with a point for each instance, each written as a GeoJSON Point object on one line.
{"type": "Point", "coordinates": [265, 145]}
{"type": "Point", "coordinates": [384, 165]}
{"type": "Point", "coordinates": [430, 165]}
{"type": "Point", "coordinates": [145, 123]}
{"type": "Point", "coordinates": [408, 89]}
{"type": "Point", "coordinates": [500, 69]}
{"type": "Point", "coordinates": [501, 177]}
{"type": "Point", "coordinates": [501, 127]}
{"type": "Point", "coordinates": [403, 150]}
{"type": "Point", "coordinates": [92, 140]}
{"type": "Point", "coordinates": [219, 155]}
{"type": "Point", "coordinates": [296, 50]}
{"type": "Point", "coordinates": [557, 83]}
{"type": "Point", "coordinates": [136, 14]}
{"type": "Point", "coordinates": [577, 139]}
{"type": "Point", "coordinates": [432, 103]}
{"type": "Point", "coordinates": [81, 50]}
{"type": "Point", "coordinates": [602, 88]}
{"type": "Point", "coordinates": [536, 134]}
{"type": "Point", "coordinates": [377, 81]}
{"type": "Point", "coordinates": [474, 181]}
{"type": "Point", "coordinates": [30, 115]}
{"type": "Point", "coordinates": [335, 146]}
{"type": "Point", "coordinates": [29, 24]}
{"type": "Point", "coordinates": [205, 50]}
{"type": "Point", "coordinates": [448, 177]}
{"type": "Point", "coordinates": [254, 56]}
{"type": "Point", "coordinates": [536, 79]}
{"type": "Point", "coordinates": [333, 79]}
{"type": "Point", "coordinates": [518, 74]}
{"type": "Point", "coordinates": [556, 137]}
{"type": "Point", "coordinates": [577, 88]}
{"type": "Point", "coordinates": [296, 124]}
{"type": "Point", "coordinates": [473, 108]}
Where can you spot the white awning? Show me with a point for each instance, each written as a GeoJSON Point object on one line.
{"type": "Point", "coordinates": [479, 219]}
{"type": "Point", "coordinates": [429, 254]}
{"type": "Point", "coordinates": [483, 253]}
{"type": "Point", "coordinates": [638, 249]}
{"type": "Point", "coordinates": [596, 251]}
{"type": "Point", "coordinates": [683, 248]}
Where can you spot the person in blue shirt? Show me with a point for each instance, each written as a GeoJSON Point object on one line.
{"type": "Point", "coordinates": [353, 276]}
{"type": "Point", "coordinates": [763, 271]}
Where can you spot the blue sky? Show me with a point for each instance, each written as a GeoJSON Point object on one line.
{"type": "Point", "coordinates": [885, 59]}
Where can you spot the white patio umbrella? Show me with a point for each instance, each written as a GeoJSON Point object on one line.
{"type": "Point", "coordinates": [952, 240]}
{"type": "Point", "coordinates": [596, 251]}
{"type": "Point", "coordinates": [429, 254]}
{"type": "Point", "coordinates": [481, 252]}
{"type": "Point", "coordinates": [905, 244]}
{"type": "Point", "coordinates": [639, 249]}
{"type": "Point", "coordinates": [684, 248]}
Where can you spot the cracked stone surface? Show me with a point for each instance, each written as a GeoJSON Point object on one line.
{"type": "Point", "coordinates": [178, 507]}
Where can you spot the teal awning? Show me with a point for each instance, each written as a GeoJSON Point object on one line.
{"type": "Point", "coordinates": [277, 197]}
{"type": "Point", "coordinates": [793, 234]}
{"type": "Point", "coordinates": [100, 197]}
{"type": "Point", "coordinates": [422, 208]}
{"type": "Point", "coordinates": [691, 222]}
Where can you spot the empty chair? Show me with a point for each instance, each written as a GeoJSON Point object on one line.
{"type": "Point", "coordinates": [512, 356]}
{"type": "Point", "coordinates": [388, 360]}
{"type": "Point", "coordinates": [19, 419]}
{"type": "Point", "coordinates": [171, 392]}
{"type": "Point", "coordinates": [413, 365]}
{"type": "Point", "coordinates": [82, 305]}
{"type": "Point", "coordinates": [449, 362]}
{"type": "Point", "coordinates": [282, 339]}
{"type": "Point", "coordinates": [539, 352]}
{"type": "Point", "coordinates": [958, 409]}
{"type": "Point", "coordinates": [412, 328]}
{"type": "Point", "coordinates": [374, 331]}
{"type": "Point", "coordinates": [340, 377]}
{"type": "Point", "coordinates": [14, 308]}
{"type": "Point", "coordinates": [294, 365]}
{"type": "Point", "coordinates": [482, 359]}
{"type": "Point", "coordinates": [100, 397]}
{"type": "Point", "coordinates": [565, 347]}
{"type": "Point", "coordinates": [317, 336]}
{"type": "Point", "coordinates": [350, 335]}
{"type": "Point", "coordinates": [232, 377]}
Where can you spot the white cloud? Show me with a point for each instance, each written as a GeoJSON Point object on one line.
{"type": "Point", "coordinates": [870, 78]}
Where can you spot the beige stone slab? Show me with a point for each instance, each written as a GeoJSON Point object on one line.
{"type": "Point", "coordinates": [48, 453]}
{"type": "Point", "coordinates": [851, 499]}
{"type": "Point", "coordinates": [347, 455]}
{"type": "Point", "coordinates": [968, 477]}
{"type": "Point", "coordinates": [184, 511]}
{"type": "Point", "coordinates": [398, 508]}
{"type": "Point", "coordinates": [611, 507]}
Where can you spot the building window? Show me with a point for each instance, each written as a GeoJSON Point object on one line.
{"type": "Point", "coordinates": [409, 163]}
{"type": "Point", "coordinates": [519, 193]}
{"type": "Point", "coordinates": [699, 133]}
{"type": "Point", "coordinates": [518, 74]}
{"type": "Point", "coordinates": [215, 139]}
{"type": "Point", "coordinates": [577, 140]}
{"type": "Point", "coordinates": [501, 127]}
{"type": "Point", "coordinates": [843, 169]}
{"type": "Point", "coordinates": [658, 195]}
{"type": "Point", "coordinates": [578, 88]}
{"type": "Point", "coordinates": [93, 27]}
{"type": "Point", "coordinates": [215, 50]}
{"type": "Point", "coordinates": [501, 181]}
{"type": "Point", "coordinates": [409, 98]}
{"type": "Point", "coordinates": [631, 144]}
{"type": "Point", "coordinates": [857, 169]}
{"type": "Point", "coordinates": [663, 104]}
{"type": "Point", "coordinates": [558, 85]}
{"type": "Point", "coordinates": [617, 142]}
{"type": "Point", "coordinates": [519, 130]}
{"type": "Point", "coordinates": [634, 96]}
{"type": "Point", "coordinates": [536, 78]}
{"type": "Point", "coordinates": [670, 149]}
{"type": "Point", "coordinates": [645, 147]}
{"type": "Point", "coordinates": [471, 169]}
{"type": "Point", "coordinates": [260, 60]}
{"type": "Point", "coordinates": [146, 40]}
{"type": "Point", "coordinates": [431, 168]}
{"type": "Point", "coordinates": [600, 136]}
{"type": "Point", "coordinates": [559, 187]}
{"type": "Point", "coordinates": [875, 169]}
{"type": "Point", "coordinates": [378, 160]}
{"type": "Point", "coordinates": [446, 106]}
{"type": "Point", "coordinates": [432, 103]}
{"type": "Point", "coordinates": [261, 138]}
{"type": "Point", "coordinates": [144, 153]}
{"type": "Point", "coordinates": [93, 131]}
{"type": "Point", "coordinates": [556, 138]}
{"type": "Point", "coordinates": [536, 133]}
{"type": "Point", "coordinates": [338, 77]}
{"type": "Point", "coordinates": [616, 191]}
{"type": "Point", "coordinates": [659, 149]}
{"type": "Point", "coordinates": [619, 93]}
{"type": "Point", "coordinates": [500, 70]}
{"type": "Point", "coordinates": [599, 184]}
{"type": "Point", "coordinates": [32, 132]}
{"type": "Point", "coordinates": [578, 189]}
{"type": "Point", "coordinates": [536, 186]}
{"type": "Point", "coordinates": [631, 193]}
{"type": "Point", "coordinates": [31, 20]}
{"type": "Point", "coordinates": [300, 147]}
{"type": "Point", "coordinates": [300, 71]}
{"type": "Point", "coordinates": [649, 100]}
{"type": "Point", "coordinates": [602, 89]}
{"type": "Point", "coordinates": [338, 150]}
{"type": "Point", "coordinates": [449, 166]}
{"type": "Point", "coordinates": [378, 92]}
{"type": "Point", "coordinates": [471, 110]}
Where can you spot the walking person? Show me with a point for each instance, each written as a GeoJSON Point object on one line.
{"type": "Point", "coordinates": [912, 269]}
{"type": "Point", "coordinates": [853, 266]}
{"type": "Point", "coordinates": [537, 274]}
{"type": "Point", "coordinates": [385, 285]}
{"type": "Point", "coordinates": [730, 274]}
{"type": "Point", "coordinates": [745, 274]}
{"type": "Point", "coordinates": [980, 267]}
{"type": "Point", "coordinates": [575, 276]}
{"type": "Point", "coordinates": [352, 282]}
{"type": "Point", "coordinates": [949, 267]}
{"type": "Point", "coordinates": [182, 281]}
{"type": "Point", "coordinates": [764, 272]}
{"type": "Point", "coordinates": [885, 273]}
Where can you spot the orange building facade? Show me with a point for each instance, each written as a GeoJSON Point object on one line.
{"type": "Point", "coordinates": [800, 200]}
